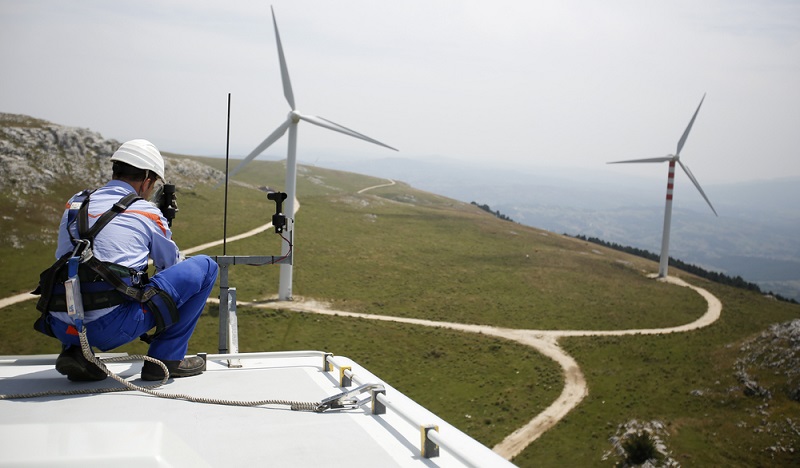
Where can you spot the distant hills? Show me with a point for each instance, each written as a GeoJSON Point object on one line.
{"type": "Point", "coordinates": [755, 236]}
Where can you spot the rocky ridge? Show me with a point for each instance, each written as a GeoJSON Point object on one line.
{"type": "Point", "coordinates": [38, 157]}
{"type": "Point", "coordinates": [35, 154]}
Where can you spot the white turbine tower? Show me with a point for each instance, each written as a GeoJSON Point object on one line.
{"type": "Point", "coordinates": [294, 117]}
{"type": "Point", "coordinates": [673, 158]}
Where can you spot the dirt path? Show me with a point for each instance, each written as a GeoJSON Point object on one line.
{"type": "Point", "coordinates": [391, 182]}
{"type": "Point", "coordinates": [544, 341]}
{"type": "Point", "coordinates": [7, 301]}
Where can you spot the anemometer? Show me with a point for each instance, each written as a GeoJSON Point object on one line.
{"type": "Point", "coordinates": [278, 219]}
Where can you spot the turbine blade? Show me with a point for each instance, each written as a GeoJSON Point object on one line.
{"type": "Point", "coordinates": [287, 83]}
{"type": "Point", "coordinates": [272, 138]}
{"type": "Point", "coordinates": [649, 160]}
{"type": "Point", "coordinates": [697, 184]}
{"type": "Point", "coordinates": [359, 134]}
{"type": "Point", "coordinates": [689, 127]}
{"type": "Point", "coordinates": [325, 123]}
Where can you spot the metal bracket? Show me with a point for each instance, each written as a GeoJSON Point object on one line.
{"type": "Point", "coordinates": [345, 400]}
{"type": "Point", "coordinates": [233, 329]}
{"type": "Point", "coordinates": [225, 304]}
{"type": "Point", "coordinates": [377, 406]}
{"type": "Point", "coordinates": [429, 448]}
{"type": "Point", "coordinates": [344, 380]}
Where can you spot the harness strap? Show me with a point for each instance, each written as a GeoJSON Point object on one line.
{"type": "Point", "coordinates": [83, 216]}
{"type": "Point", "coordinates": [163, 307]}
{"type": "Point", "coordinates": [73, 212]}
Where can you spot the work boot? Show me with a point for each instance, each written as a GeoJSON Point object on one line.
{"type": "Point", "coordinates": [76, 367]}
{"type": "Point", "coordinates": [192, 365]}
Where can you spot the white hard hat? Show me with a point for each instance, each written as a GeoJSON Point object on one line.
{"type": "Point", "coordinates": [141, 154]}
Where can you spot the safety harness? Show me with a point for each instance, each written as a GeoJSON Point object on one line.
{"type": "Point", "coordinates": [103, 284]}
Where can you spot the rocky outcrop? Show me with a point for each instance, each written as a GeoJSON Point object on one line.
{"type": "Point", "coordinates": [775, 351]}
{"type": "Point", "coordinates": [640, 443]}
{"type": "Point", "coordinates": [42, 162]}
{"type": "Point", "coordinates": [36, 154]}
{"type": "Point", "coordinates": [768, 367]}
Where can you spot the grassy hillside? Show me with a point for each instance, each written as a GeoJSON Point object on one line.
{"type": "Point", "coordinates": [402, 252]}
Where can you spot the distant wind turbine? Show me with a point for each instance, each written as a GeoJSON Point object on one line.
{"type": "Point", "coordinates": [673, 158]}
{"type": "Point", "coordinates": [294, 117]}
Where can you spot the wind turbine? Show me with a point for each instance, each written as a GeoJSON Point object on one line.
{"type": "Point", "coordinates": [290, 124]}
{"type": "Point", "coordinates": [673, 158]}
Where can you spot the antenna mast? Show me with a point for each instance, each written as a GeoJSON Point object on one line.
{"type": "Point", "coordinates": [228, 328]}
{"type": "Point", "coordinates": [227, 157]}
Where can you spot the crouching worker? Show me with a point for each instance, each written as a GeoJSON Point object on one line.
{"type": "Point", "coordinates": [120, 303]}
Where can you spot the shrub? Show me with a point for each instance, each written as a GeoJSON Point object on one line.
{"type": "Point", "coordinates": [639, 448]}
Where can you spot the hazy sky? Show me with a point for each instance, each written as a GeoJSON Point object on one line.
{"type": "Point", "coordinates": [538, 83]}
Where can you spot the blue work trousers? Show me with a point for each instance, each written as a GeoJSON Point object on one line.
{"type": "Point", "coordinates": [189, 283]}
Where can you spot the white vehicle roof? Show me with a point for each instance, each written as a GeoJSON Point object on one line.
{"type": "Point", "coordinates": [132, 428]}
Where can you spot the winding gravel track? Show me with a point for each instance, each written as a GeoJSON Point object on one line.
{"type": "Point", "coordinates": [544, 341]}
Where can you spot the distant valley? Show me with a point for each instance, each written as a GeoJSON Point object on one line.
{"type": "Point", "coordinates": [755, 236]}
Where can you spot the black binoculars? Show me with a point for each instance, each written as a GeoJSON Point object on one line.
{"type": "Point", "coordinates": [168, 202]}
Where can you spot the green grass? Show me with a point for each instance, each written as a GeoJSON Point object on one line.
{"type": "Point", "coordinates": [652, 377]}
{"type": "Point", "coordinates": [34, 225]}
{"type": "Point", "coordinates": [455, 263]}
{"type": "Point", "coordinates": [403, 252]}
